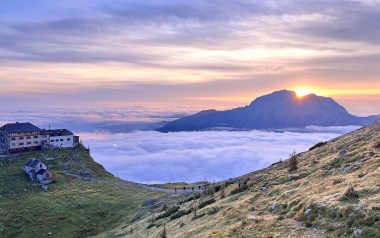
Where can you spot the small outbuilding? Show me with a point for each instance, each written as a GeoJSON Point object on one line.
{"type": "Point", "coordinates": [36, 169]}
{"type": "Point", "coordinates": [44, 176]}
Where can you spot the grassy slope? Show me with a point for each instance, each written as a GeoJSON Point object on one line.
{"type": "Point", "coordinates": [71, 207]}
{"type": "Point", "coordinates": [319, 184]}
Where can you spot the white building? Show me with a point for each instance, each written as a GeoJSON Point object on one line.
{"type": "Point", "coordinates": [61, 138]}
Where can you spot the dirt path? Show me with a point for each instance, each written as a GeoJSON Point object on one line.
{"type": "Point", "coordinates": [312, 231]}
{"type": "Point", "coordinates": [134, 185]}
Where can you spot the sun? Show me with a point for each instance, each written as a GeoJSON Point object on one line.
{"type": "Point", "coordinates": [301, 92]}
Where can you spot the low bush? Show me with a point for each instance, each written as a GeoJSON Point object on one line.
{"type": "Point", "coordinates": [337, 181]}
{"type": "Point", "coordinates": [168, 212]}
{"type": "Point", "coordinates": [206, 203]}
{"type": "Point", "coordinates": [239, 190]}
{"type": "Point", "coordinates": [350, 193]}
{"type": "Point", "coordinates": [179, 214]}
{"type": "Point", "coordinates": [195, 217]}
{"type": "Point", "coordinates": [213, 210]}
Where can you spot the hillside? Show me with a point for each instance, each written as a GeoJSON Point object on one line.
{"type": "Point", "coordinates": [73, 206]}
{"type": "Point", "coordinates": [278, 110]}
{"type": "Point", "coordinates": [311, 201]}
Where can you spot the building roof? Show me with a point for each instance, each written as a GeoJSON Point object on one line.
{"type": "Point", "coordinates": [59, 132]}
{"type": "Point", "coordinates": [29, 163]}
{"type": "Point", "coordinates": [41, 172]}
{"type": "Point", "coordinates": [19, 127]}
{"type": "Point", "coordinates": [36, 162]}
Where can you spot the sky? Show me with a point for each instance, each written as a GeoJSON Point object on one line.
{"type": "Point", "coordinates": [186, 54]}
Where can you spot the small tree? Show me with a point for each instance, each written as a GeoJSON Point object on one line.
{"type": "Point", "coordinates": [293, 162]}
{"type": "Point", "coordinates": [351, 192]}
{"type": "Point", "coordinates": [163, 233]}
{"type": "Point", "coordinates": [222, 191]}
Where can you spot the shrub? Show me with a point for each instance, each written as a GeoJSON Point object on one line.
{"type": "Point", "coordinates": [163, 233]}
{"type": "Point", "coordinates": [206, 203]}
{"type": "Point", "coordinates": [168, 212]}
{"type": "Point", "coordinates": [213, 210]}
{"type": "Point", "coordinates": [217, 188]}
{"type": "Point", "coordinates": [239, 190]}
{"type": "Point", "coordinates": [320, 144]}
{"type": "Point", "coordinates": [179, 214]}
{"type": "Point", "coordinates": [293, 162]}
{"type": "Point", "coordinates": [377, 145]}
{"type": "Point", "coordinates": [228, 183]}
{"type": "Point", "coordinates": [195, 217]}
{"type": "Point", "coordinates": [150, 225]}
{"type": "Point", "coordinates": [337, 181]}
{"type": "Point", "coordinates": [222, 191]}
{"type": "Point", "coordinates": [350, 193]}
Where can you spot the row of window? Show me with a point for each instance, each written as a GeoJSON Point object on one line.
{"type": "Point", "coordinates": [27, 143]}
{"type": "Point", "coordinates": [68, 139]}
{"type": "Point", "coordinates": [21, 138]}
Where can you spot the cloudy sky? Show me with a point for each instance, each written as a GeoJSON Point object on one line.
{"type": "Point", "coordinates": [180, 53]}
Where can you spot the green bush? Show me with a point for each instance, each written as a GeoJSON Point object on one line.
{"type": "Point", "coordinates": [206, 203]}
{"type": "Point", "coordinates": [168, 212]}
{"type": "Point", "coordinates": [213, 210]}
{"type": "Point", "coordinates": [239, 190]}
{"type": "Point", "coordinates": [179, 214]}
{"type": "Point", "coordinates": [195, 217]}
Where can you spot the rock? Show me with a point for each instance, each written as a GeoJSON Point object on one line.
{"type": "Point", "coordinates": [263, 190]}
{"type": "Point", "coordinates": [307, 211]}
{"type": "Point", "coordinates": [343, 152]}
{"type": "Point", "coordinates": [273, 206]}
{"type": "Point", "coordinates": [346, 168]}
{"type": "Point", "coordinates": [358, 232]}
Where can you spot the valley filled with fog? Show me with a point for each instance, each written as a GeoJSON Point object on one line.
{"type": "Point", "coordinates": [124, 143]}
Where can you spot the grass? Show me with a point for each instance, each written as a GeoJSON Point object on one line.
{"type": "Point", "coordinates": [70, 207]}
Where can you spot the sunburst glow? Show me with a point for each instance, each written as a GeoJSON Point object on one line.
{"type": "Point", "coordinates": [301, 92]}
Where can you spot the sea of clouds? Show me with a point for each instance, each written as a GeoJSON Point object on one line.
{"type": "Point", "coordinates": [153, 157]}
{"type": "Point", "coordinates": [124, 143]}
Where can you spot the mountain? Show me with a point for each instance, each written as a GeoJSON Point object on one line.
{"type": "Point", "coordinates": [278, 110]}
{"type": "Point", "coordinates": [334, 191]}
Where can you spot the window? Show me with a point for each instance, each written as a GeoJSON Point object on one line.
{"type": "Point", "coordinates": [35, 136]}
{"type": "Point", "coordinates": [13, 138]}
{"type": "Point", "coordinates": [28, 143]}
{"type": "Point", "coordinates": [13, 144]}
{"type": "Point", "coordinates": [36, 142]}
{"type": "Point", "coordinates": [28, 137]}
{"type": "Point", "coordinates": [21, 138]}
{"type": "Point", "coordinates": [21, 143]}
{"type": "Point", "coordinates": [56, 140]}
{"type": "Point", "coordinates": [68, 139]}
{"type": "Point", "coordinates": [52, 141]}
{"type": "Point", "coordinates": [61, 139]}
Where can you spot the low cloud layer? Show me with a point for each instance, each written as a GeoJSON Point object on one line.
{"type": "Point", "coordinates": [194, 156]}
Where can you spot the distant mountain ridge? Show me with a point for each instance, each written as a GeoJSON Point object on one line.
{"type": "Point", "coordinates": [278, 110]}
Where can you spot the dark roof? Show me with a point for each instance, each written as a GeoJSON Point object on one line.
{"type": "Point", "coordinates": [41, 172]}
{"type": "Point", "coordinates": [36, 162]}
{"type": "Point", "coordinates": [30, 163]}
{"type": "Point", "coordinates": [59, 132]}
{"type": "Point", "coordinates": [19, 127]}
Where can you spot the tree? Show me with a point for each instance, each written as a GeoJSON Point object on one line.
{"type": "Point", "coordinates": [222, 191]}
{"type": "Point", "coordinates": [163, 233]}
{"type": "Point", "coordinates": [293, 162]}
